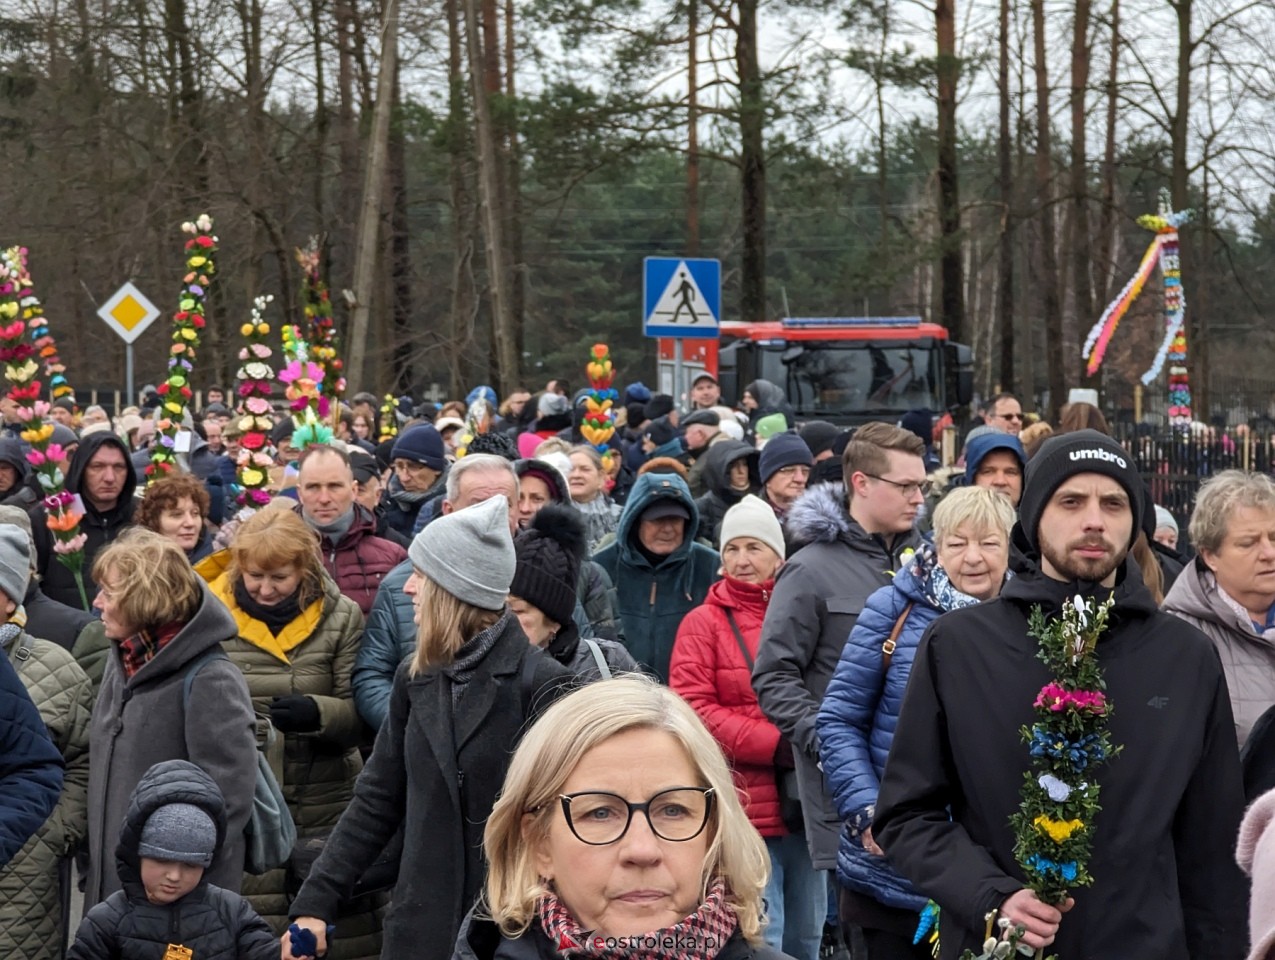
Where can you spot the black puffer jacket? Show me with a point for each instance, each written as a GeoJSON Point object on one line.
{"type": "Point", "coordinates": [713, 505]}
{"type": "Point", "coordinates": [213, 923]}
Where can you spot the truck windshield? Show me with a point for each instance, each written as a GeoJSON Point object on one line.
{"type": "Point", "coordinates": [832, 378]}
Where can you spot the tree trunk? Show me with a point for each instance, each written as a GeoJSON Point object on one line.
{"type": "Point", "coordinates": [513, 167]}
{"type": "Point", "coordinates": [951, 268]}
{"type": "Point", "coordinates": [504, 337]}
{"type": "Point", "coordinates": [1082, 285]}
{"type": "Point", "coordinates": [752, 287]}
{"type": "Point", "coordinates": [1106, 246]}
{"type": "Point", "coordinates": [1004, 143]}
{"type": "Point", "coordinates": [1058, 364]}
{"type": "Point", "coordinates": [400, 260]}
{"type": "Point", "coordinates": [692, 129]}
{"type": "Point", "coordinates": [463, 311]}
{"type": "Point", "coordinates": [347, 124]}
{"type": "Point", "coordinates": [366, 243]}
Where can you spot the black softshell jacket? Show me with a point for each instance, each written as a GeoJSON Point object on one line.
{"type": "Point", "coordinates": [1166, 886]}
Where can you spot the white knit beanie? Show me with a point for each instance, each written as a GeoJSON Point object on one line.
{"type": "Point", "coordinates": [751, 517]}
{"type": "Point", "coordinates": [1255, 853]}
{"type": "Point", "coordinates": [469, 553]}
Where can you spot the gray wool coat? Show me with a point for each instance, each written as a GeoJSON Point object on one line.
{"type": "Point", "coordinates": [139, 722]}
{"type": "Point", "coordinates": [1248, 657]}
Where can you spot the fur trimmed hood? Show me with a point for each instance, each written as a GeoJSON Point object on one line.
{"type": "Point", "coordinates": [820, 515]}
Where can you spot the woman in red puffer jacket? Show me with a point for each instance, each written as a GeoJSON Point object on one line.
{"type": "Point", "coordinates": [711, 669]}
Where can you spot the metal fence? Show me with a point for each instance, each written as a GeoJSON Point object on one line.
{"type": "Point", "coordinates": [1174, 463]}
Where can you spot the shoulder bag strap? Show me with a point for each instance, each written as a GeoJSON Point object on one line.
{"type": "Point", "coordinates": [887, 648]}
{"type": "Point", "coordinates": [739, 638]}
{"type": "Point", "coordinates": [597, 657]}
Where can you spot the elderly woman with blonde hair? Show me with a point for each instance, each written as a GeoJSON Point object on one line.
{"type": "Point", "coordinates": [168, 693]}
{"type": "Point", "coordinates": [968, 564]}
{"type": "Point", "coordinates": [619, 833]}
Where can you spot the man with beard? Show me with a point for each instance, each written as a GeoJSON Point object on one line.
{"type": "Point", "coordinates": [1165, 880]}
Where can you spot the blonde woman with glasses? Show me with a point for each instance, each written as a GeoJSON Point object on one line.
{"type": "Point", "coordinates": [619, 833]}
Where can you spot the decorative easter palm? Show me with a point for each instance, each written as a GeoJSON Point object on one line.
{"type": "Point", "coordinates": [599, 415]}
{"type": "Point", "coordinates": [320, 330]}
{"type": "Point", "coordinates": [1164, 251]}
{"type": "Point", "coordinates": [304, 379]}
{"type": "Point", "coordinates": [63, 509]}
{"type": "Point", "coordinates": [256, 380]}
{"type": "Point", "coordinates": [175, 392]}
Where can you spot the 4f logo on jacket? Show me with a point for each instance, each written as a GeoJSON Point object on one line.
{"type": "Point", "coordinates": [1158, 703]}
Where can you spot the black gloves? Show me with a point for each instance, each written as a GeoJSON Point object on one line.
{"type": "Point", "coordinates": [783, 755]}
{"type": "Point", "coordinates": [294, 714]}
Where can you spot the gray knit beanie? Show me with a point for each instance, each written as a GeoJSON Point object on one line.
{"type": "Point", "coordinates": [180, 832]}
{"type": "Point", "coordinates": [15, 562]}
{"type": "Point", "coordinates": [470, 553]}
{"type": "Point", "coordinates": [22, 520]}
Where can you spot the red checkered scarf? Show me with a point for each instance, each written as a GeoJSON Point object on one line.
{"type": "Point", "coordinates": [140, 649]}
{"type": "Point", "coordinates": [699, 937]}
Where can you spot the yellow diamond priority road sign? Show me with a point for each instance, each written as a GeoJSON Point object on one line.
{"type": "Point", "coordinates": [128, 312]}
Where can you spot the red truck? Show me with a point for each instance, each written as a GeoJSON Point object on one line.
{"type": "Point", "coordinates": [844, 369]}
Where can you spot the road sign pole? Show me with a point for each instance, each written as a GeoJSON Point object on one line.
{"type": "Point", "coordinates": [677, 373]}
{"type": "Point", "coordinates": [128, 374]}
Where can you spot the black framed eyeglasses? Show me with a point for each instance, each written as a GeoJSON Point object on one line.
{"type": "Point", "coordinates": [925, 486]}
{"type": "Point", "coordinates": [1008, 416]}
{"type": "Point", "coordinates": [677, 814]}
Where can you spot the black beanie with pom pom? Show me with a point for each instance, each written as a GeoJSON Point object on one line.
{"type": "Point", "coordinates": [550, 552]}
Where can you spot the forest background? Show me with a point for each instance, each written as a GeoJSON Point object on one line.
{"type": "Point", "coordinates": [980, 163]}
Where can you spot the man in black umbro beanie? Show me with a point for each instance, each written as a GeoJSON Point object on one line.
{"type": "Point", "coordinates": [1063, 456]}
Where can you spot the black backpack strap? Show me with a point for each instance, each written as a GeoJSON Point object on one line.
{"type": "Point", "coordinates": [739, 638]}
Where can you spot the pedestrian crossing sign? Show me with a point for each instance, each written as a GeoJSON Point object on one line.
{"type": "Point", "coordinates": [681, 297]}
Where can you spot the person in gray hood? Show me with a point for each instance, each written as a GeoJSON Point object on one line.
{"type": "Point", "coordinates": [851, 537]}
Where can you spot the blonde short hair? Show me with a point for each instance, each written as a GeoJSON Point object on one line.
{"type": "Point", "coordinates": [985, 510]}
{"type": "Point", "coordinates": [1218, 499]}
{"type": "Point", "coordinates": [151, 579]}
{"type": "Point", "coordinates": [446, 623]}
{"type": "Point", "coordinates": [551, 751]}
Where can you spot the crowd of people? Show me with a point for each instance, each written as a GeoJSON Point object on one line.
{"type": "Point", "coordinates": [736, 687]}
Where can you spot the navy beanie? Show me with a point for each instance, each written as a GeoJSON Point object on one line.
{"type": "Point", "coordinates": [636, 393]}
{"type": "Point", "coordinates": [658, 406]}
{"type": "Point", "coordinates": [783, 450]}
{"type": "Point", "coordinates": [1065, 455]}
{"type": "Point", "coordinates": [420, 444]}
{"type": "Point", "coordinates": [985, 443]}
{"type": "Point", "coordinates": [660, 431]}
{"type": "Point", "coordinates": [921, 423]}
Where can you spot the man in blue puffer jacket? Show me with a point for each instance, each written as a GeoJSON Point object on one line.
{"type": "Point", "coordinates": [860, 710]}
